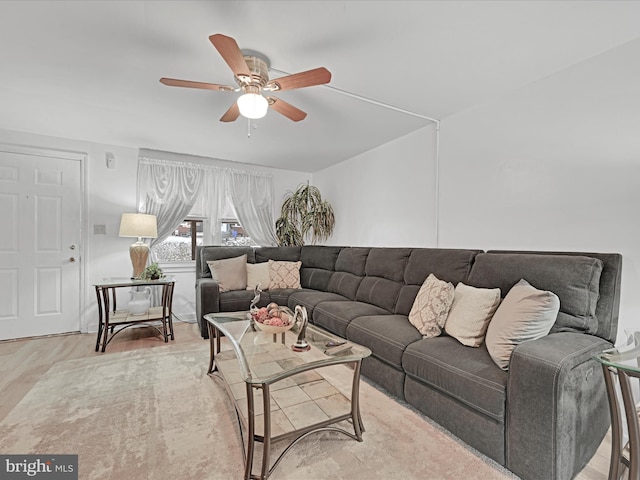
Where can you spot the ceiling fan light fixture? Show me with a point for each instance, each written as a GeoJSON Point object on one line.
{"type": "Point", "coordinates": [253, 105]}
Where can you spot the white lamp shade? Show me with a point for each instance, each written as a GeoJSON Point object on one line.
{"type": "Point", "coordinates": [253, 105]}
{"type": "Point", "coordinates": [138, 225]}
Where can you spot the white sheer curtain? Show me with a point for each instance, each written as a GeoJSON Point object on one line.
{"type": "Point", "coordinates": [169, 189]}
{"type": "Point", "coordinates": [252, 197]}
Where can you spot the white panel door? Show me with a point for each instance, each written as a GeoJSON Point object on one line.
{"type": "Point", "coordinates": [40, 202]}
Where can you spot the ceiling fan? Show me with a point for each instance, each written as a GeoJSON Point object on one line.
{"type": "Point", "coordinates": [251, 73]}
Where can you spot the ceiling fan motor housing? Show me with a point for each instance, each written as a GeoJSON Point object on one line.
{"type": "Point", "coordinates": [258, 66]}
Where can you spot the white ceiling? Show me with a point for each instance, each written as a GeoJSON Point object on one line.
{"type": "Point", "coordinates": [90, 70]}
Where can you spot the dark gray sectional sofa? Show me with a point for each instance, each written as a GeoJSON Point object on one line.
{"type": "Point", "coordinates": [543, 419]}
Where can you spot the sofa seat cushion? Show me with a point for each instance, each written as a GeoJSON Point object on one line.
{"type": "Point", "coordinates": [387, 336]}
{"type": "Point", "coordinates": [467, 374]}
{"type": "Point", "coordinates": [239, 300]}
{"type": "Point", "coordinates": [310, 298]}
{"type": "Point", "coordinates": [335, 316]}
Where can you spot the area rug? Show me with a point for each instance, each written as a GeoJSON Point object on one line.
{"type": "Point", "coordinates": [156, 414]}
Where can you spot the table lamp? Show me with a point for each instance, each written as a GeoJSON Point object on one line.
{"type": "Point", "coordinates": [142, 226]}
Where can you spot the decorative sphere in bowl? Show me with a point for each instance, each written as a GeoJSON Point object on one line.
{"type": "Point", "coordinates": [273, 318]}
{"type": "Point", "coordinates": [272, 328]}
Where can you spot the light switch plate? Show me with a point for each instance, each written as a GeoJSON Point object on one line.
{"type": "Point", "coordinates": [99, 229]}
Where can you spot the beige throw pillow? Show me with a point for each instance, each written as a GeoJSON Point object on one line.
{"type": "Point", "coordinates": [258, 273]}
{"type": "Point", "coordinates": [230, 273]}
{"type": "Point", "coordinates": [431, 306]}
{"type": "Point", "coordinates": [470, 313]}
{"type": "Point", "coordinates": [284, 274]}
{"type": "Point", "coordinates": [526, 313]}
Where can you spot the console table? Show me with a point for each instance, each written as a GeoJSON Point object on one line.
{"type": "Point", "coordinates": [117, 320]}
{"type": "Point", "coordinates": [623, 363]}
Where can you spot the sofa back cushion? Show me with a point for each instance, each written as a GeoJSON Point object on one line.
{"type": "Point", "coordinates": [388, 263]}
{"type": "Point", "coordinates": [378, 291]}
{"type": "Point", "coordinates": [318, 265]}
{"type": "Point", "coordinates": [315, 278]}
{"type": "Point", "coordinates": [285, 254]}
{"type": "Point", "coordinates": [352, 260]}
{"type": "Point", "coordinates": [608, 309]}
{"type": "Point", "coordinates": [384, 273]}
{"type": "Point", "coordinates": [345, 284]}
{"type": "Point", "coordinates": [211, 253]}
{"type": "Point", "coordinates": [574, 279]}
{"type": "Point", "coordinates": [449, 265]}
{"type": "Point", "coordinates": [315, 256]}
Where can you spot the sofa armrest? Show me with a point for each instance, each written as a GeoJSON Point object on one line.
{"type": "Point", "coordinates": [207, 301]}
{"type": "Point", "coordinates": [555, 390]}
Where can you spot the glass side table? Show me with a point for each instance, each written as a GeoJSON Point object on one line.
{"type": "Point", "coordinates": [111, 319]}
{"type": "Point", "coordinates": [623, 363]}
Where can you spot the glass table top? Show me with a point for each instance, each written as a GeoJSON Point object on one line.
{"type": "Point", "coordinates": [131, 282]}
{"type": "Point", "coordinates": [265, 358]}
{"type": "Point", "coordinates": [625, 357]}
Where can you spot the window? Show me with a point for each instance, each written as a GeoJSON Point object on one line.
{"type": "Point", "coordinates": [180, 246]}
{"type": "Point", "coordinates": [233, 234]}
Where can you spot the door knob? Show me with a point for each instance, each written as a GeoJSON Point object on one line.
{"type": "Point", "coordinates": [72, 259]}
{"type": "Point", "coordinates": [72, 246]}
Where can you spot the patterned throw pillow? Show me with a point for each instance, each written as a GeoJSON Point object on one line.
{"type": "Point", "coordinates": [431, 306]}
{"type": "Point", "coordinates": [230, 273]}
{"type": "Point", "coordinates": [284, 274]}
{"type": "Point", "coordinates": [470, 313]}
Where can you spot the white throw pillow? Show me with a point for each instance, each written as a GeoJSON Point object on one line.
{"type": "Point", "coordinates": [284, 274]}
{"type": "Point", "coordinates": [471, 313]}
{"type": "Point", "coordinates": [526, 313]}
{"type": "Point", "coordinates": [258, 273]}
{"type": "Point", "coordinates": [230, 273]}
{"type": "Point", "coordinates": [431, 306]}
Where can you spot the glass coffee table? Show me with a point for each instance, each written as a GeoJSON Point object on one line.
{"type": "Point", "coordinates": [282, 394]}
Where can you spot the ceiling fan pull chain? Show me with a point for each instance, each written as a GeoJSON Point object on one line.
{"type": "Point", "coordinates": [248, 128]}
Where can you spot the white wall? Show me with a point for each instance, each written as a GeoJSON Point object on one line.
{"type": "Point", "coordinates": [385, 197]}
{"type": "Point", "coordinates": [111, 192]}
{"type": "Point", "coordinates": [552, 166]}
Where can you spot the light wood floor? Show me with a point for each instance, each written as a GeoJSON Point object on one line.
{"type": "Point", "coordinates": [24, 362]}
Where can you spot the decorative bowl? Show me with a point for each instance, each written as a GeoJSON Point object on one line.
{"type": "Point", "coordinates": [272, 328]}
{"type": "Point", "coordinates": [284, 313]}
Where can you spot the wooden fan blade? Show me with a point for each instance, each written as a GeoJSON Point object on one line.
{"type": "Point", "coordinates": [286, 109]}
{"type": "Point", "coordinates": [232, 114]}
{"type": "Point", "coordinates": [174, 82]}
{"type": "Point", "coordinates": [317, 76]}
{"type": "Point", "coordinates": [231, 53]}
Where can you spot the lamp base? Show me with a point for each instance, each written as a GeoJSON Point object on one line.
{"type": "Point", "coordinates": [139, 253]}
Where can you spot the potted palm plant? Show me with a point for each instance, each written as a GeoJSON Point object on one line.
{"type": "Point", "coordinates": [304, 216]}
